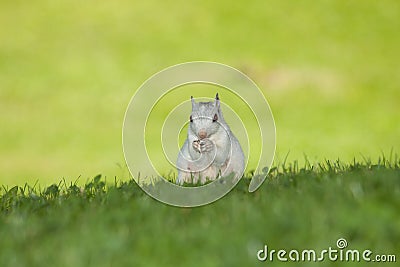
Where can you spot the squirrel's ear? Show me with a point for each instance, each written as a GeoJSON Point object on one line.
{"type": "Point", "coordinates": [193, 103]}
{"type": "Point", "coordinates": [217, 100]}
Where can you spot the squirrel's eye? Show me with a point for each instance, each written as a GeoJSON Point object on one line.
{"type": "Point", "coordinates": [191, 119]}
{"type": "Point", "coordinates": [215, 118]}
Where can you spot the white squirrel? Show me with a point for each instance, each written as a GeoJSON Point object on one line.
{"type": "Point", "coordinates": [210, 150]}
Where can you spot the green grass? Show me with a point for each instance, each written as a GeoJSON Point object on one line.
{"type": "Point", "coordinates": [113, 223]}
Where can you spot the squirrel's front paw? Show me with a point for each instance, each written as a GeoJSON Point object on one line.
{"type": "Point", "coordinates": [202, 146]}
{"type": "Point", "coordinates": [196, 145]}
{"type": "Point", "coordinates": [206, 145]}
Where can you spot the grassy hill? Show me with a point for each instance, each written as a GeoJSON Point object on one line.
{"type": "Point", "coordinates": [116, 224]}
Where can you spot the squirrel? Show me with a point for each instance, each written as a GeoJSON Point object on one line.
{"type": "Point", "coordinates": [211, 150]}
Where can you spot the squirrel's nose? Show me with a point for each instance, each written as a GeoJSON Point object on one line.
{"type": "Point", "coordinates": [202, 134]}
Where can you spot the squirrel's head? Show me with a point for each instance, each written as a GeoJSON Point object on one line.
{"type": "Point", "coordinates": [206, 118]}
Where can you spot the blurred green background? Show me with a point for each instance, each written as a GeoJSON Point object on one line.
{"type": "Point", "coordinates": [329, 69]}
